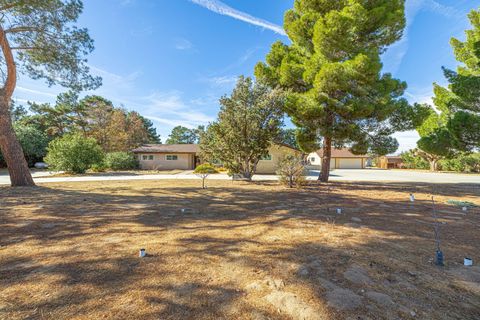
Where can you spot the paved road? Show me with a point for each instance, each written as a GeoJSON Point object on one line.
{"type": "Point", "coordinates": [400, 176]}
{"type": "Point", "coordinates": [339, 175]}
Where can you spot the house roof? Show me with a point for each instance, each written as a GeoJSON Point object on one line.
{"type": "Point", "coordinates": [341, 153]}
{"type": "Point", "coordinates": [167, 148]}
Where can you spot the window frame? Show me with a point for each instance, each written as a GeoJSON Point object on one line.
{"type": "Point", "coordinates": [174, 157]}
{"type": "Point", "coordinates": [148, 157]}
{"type": "Point", "coordinates": [268, 157]}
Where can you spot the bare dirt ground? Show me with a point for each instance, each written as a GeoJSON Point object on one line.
{"type": "Point", "coordinates": [236, 251]}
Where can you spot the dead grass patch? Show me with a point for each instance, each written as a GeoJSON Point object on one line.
{"type": "Point", "coordinates": [237, 251]}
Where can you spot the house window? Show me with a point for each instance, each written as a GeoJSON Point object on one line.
{"type": "Point", "coordinates": [146, 157]}
{"type": "Point", "coordinates": [171, 157]}
{"type": "Point", "coordinates": [313, 159]}
{"type": "Point", "coordinates": [267, 157]}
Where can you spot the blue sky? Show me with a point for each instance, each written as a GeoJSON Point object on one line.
{"type": "Point", "coordinates": [172, 60]}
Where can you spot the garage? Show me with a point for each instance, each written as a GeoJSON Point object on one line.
{"type": "Point", "coordinates": [340, 159]}
{"type": "Point", "coordinates": [345, 163]}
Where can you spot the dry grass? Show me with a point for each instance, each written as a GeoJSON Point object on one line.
{"type": "Point", "coordinates": [69, 251]}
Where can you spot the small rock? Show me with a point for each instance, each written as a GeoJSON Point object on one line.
{"type": "Point", "coordinates": [357, 275]}
{"type": "Point", "coordinates": [340, 298]}
{"type": "Point", "coordinates": [413, 313]}
{"type": "Point", "coordinates": [49, 225]}
{"type": "Point", "coordinates": [303, 271]}
{"type": "Point", "coordinates": [343, 299]}
{"type": "Point", "coordinates": [275, 284]}
{"type": "Point", "coordinates": [254, 286]}
{"type": "Point", "coordinates": [379, 298]}
{"type": "Point", "coordinates": [355, 219]}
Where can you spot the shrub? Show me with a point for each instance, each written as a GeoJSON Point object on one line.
{"type": "Point", "coordinates": [203, 171]}
{"type": "Point", "coordinates": [34, 143]}
{"type": "Point", "coordinates": [73, 153]}
{"type": "Point", "coordinates": [413, 161]}
{"type": "Point", "coordinates": [120, 161]}
{"type": "Point", "coordinates": [462, 163]}
{"type": "Point", "coordinates": [291, 171]}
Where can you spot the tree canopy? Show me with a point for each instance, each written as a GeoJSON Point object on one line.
{"type": "Point", "coordinates": [115, 129]}
{"type": "Point", "coordinates": [332, 73]}
{"type": "Point", "coordinates": [39, 38]}
{"type": "Point", "coordinates": [458, 105]}
{"type": "Point", "coordinates": [247, 124]}
{"type": "Point", "coordinates": [184, 135]}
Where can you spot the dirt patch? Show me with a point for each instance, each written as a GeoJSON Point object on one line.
{"type": "Point", "coordinates": [293, 306]}
{"type": "Point", "coordinates": [239, 251]}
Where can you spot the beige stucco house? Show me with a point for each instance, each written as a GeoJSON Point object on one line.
{"type": "Point", "coordinates": [168, 156]}
{"type": "Point", "coordinates": [268, 165]}
{"type": "Point", "coordinates": [341, 159]}
{"type": "Point", "coordinates": [187, 157]}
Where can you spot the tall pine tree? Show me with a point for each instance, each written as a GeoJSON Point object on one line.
{"type": "Point", "coordinates": [333, 74]}
{"type": "Point", "coordinates": [459, 103]}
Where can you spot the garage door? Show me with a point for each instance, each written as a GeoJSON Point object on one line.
{"type": "Point", "coordinates": [350, 163]}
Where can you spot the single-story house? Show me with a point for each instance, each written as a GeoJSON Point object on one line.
{"type": "Point", "coordinates": [340, 159]}
{"type": "Point", "coordinates": [268, 165]}
{"type": "Point", "coordinates": [390, 162]}
{"type": "Point", "coordinates": [168, 156]}
{"type": "Point", "coordinates": [187, 157]}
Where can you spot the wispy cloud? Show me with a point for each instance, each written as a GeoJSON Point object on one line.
{"type": "Point", "coordinates": [116, 81]}
{"type": "Point", "coordinates": [183, 44]}
{"type": "Point", "coordinates": [222, 81]}
{"type": "Point", "coordinates": [221, 8]}
{"type": "Point", "coordinates": [170, 109]}
{"type": "Point", "coordinates": [36, 92]}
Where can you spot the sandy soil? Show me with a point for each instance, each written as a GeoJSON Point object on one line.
{"type": "Point", "coordinates": [236, 251]}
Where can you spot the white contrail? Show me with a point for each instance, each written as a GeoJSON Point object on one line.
{"type": "Point", "coordinates": [221, 8]}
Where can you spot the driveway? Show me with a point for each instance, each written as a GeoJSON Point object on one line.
{"type": "Point", "coordinates": [336, 175]}
{"type": "Point", "coordinates": [398, 176]}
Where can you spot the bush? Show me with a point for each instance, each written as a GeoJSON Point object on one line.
{"type": "Point", "coordinates": [203, 171]}
{"type": "Point", "coordinates": [73, 153]}
{"type": "Point", "coordinates": [412, 161]}
{"type": "Point", "coordinates": [462, 163]}
{"type": "Point", "coordinates": [120, 161]}
{"type": "Point", "coordinates": [291, 171]}
{"type": "Point", "coordinates": [33, 141]}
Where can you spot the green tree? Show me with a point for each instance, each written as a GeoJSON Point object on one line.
{"type": "Point", "coordinates": [203, 171]}
{"type": "Point", "coordinates": [58, 119]}
{"type": "Point", "coordinates": [73, 153]}
{"type": "Point", "coordinates": [411, 160]}
{"type": "Point", "coordinates": [18, 112]}
{"type": "Point", "coordinates": [332, 72]}
{"type": "Point", "coordinates": [458, 103]}
{"type": "Point", "coordinates": [153, 136]}
{"type": "Point", "coordinates": [247, 123]}
{"type": "Point", "coordinates": [33, 141]}
{"type": "Point", "coordinates": [288, 137]}
{"type": "Point", "coordinates": [120, 161]}
{"type": "Point", "coordinates": [39, 38]}
{"type": "Point", "coordinates": [183, 135]}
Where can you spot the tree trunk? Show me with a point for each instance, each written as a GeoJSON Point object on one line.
{"type": "Point", "coordinates": [12, 150]}
{"type": "Point", "coordinates": [327, 155]}
{"type": "Point", "coordinates": [9, 145]}
{"type": "Point", "coordinates": [433, 165]}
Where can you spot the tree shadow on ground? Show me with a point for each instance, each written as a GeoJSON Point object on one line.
{"type": "Point", "coordinates": [225, 238]}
